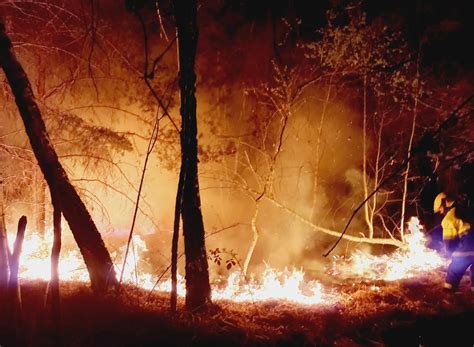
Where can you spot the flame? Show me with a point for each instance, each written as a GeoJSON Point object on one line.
{"type": "Point", "coordinates": [412, 260]}
{"type": "Point", "coordinates": [288, 285]}
{"type": "Point", "coordinates": [274, 285]}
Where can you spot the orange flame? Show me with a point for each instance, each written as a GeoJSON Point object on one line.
{"type": "Point", "coordinates": [412, 260]}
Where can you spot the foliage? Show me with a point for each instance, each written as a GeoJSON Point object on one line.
{"type": "Point", "coordinates": [215, 255]}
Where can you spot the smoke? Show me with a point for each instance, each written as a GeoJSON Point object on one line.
{"type": "Point", "coordinates": [316, 175]}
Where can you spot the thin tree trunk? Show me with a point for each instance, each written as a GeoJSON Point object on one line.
{"type": "Point", "coordinates": [365, 183]}
{"type": "Point", "coordinates": [14, 296]}
{"type": "Point", "coordinates": [255, 235]}
{"type": "Point", "coordinates": [198, 290]}
{"type": "Point", "coordinates": [377, 173]}
{"type": "Point", "coordinates": [174, 242]}
{"type": "Point", "coordinates": [54, 282]}
{"type": "Point", "coordinates": [4, 269]}
{"type": "Point", "coordinates": [91, 245]}
{"type": "Point", "coordinates": [407, 171]}
{"type": "Point", "coordinates": [4, 252]}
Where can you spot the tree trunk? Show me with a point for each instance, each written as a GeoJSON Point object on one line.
{"type": "Point", "coordinates": [368, 219]}
{"type": "Point", "coordinates": [4, 269]}
{"type": "Point", "coordinates": [91, 245]}
{"type": "Point", "coordinates": [198, 290]}
{"type": "Point", "coordinates": [255, 235]}
{"type": "Point", "coordinates": [40, 202]}
{"type": "Point", "coordinates": [54, 282]}
{"type": "Point", "coordinates": [14, 295]}
{"type": "Point", "coordinates": [174, 241]}
{"type": "Point", "coordinates": [409, 150]}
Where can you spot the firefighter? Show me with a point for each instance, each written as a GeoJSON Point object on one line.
{"type": "Point", "coordinates": [440, 208]}
{"type": "Point", "coordinates": [458, 238]}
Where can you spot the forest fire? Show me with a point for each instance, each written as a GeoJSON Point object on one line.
{"type": "Point", "coordinates": [285, 285]}
{"type": "Point", "coordinates": [414, 259]}
{"type": "Point", "coordinates": [252, 160]}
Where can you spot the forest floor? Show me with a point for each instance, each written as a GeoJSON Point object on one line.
{"type": "Point", "coordinates": [413, 312]}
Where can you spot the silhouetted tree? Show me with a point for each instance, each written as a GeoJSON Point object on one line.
{"type": "Point", "coordinates": [198, 290]}
{"type": "Point", "coordinates": [96, 256]}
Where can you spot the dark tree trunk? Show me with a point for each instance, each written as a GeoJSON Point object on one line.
{"type": "Point", "coordinates": [91, 245]}
{"type": "Point", "coordinates": [14, 296]}
{"type": "Point", "coordinates": [198, 291]}
{"type": "Point", "coordinates": [174, 241]}
{"type": "Point", "coordinates": [54, 283]}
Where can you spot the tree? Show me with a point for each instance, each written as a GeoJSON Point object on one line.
{"type": "Point", "coordinates": [91, 245]}
{"type": "Point", "coordinates": [198, 290]}
{"type": "Point", "coordinates": [4, 252]}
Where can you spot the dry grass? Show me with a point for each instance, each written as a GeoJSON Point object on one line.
{"type": "Point", "coordinates": [411, 312]}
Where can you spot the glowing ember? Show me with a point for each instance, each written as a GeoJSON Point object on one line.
{"type": "Point", "coordinates": [412, 260]}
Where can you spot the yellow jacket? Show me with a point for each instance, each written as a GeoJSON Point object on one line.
{"type": "Point", "coordinates": [454, 227]}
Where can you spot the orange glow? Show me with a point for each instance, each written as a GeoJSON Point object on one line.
{"type": "Point", "coordinates": [412, 260]}
{"type": "Point", "coordinates": [288, 285]}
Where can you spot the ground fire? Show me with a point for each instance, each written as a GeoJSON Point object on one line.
{"type": "Point", "coordinates": [414, 259]}
{"type": "Point", "coordinates": [236, 173]}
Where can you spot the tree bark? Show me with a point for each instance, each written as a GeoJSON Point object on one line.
{"type": "Point", "coordinates": [4, 252]}
{"type": "Point", "coordinates": [91, 245]}
{"type": "Point", "coordinates": [54, 282]}
{"type": "Point", "coordinates": [40, 202]}
{"type": "Point", "coordinates": [198, 290]}
{"type": "Point", "coordinates": [14, 296]}
{"type": "Point", "coordinates": [174, 242]}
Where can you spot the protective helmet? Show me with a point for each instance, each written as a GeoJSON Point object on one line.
{"type": "Point", "coordinates": [440, 200]}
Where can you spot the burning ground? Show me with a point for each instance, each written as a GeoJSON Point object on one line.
{"type": "Point", "coordinates": [309, 121]}
{"type": "Point", "coordinates": [401, 313]}
{"type": "Point", "coordinates": [394, 299]}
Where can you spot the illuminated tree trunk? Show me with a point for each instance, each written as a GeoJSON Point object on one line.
{"type": "Point", "coordinates": [409, 150]}
{"type": "Point", "coordinates": [4, 270]}
{"type": "Point", "coordinates": [255, 235]}
{"type": "Point", "coordinates": [368, 217]}
{"type": "Point", "coordinates": [40, 202]}
{"type": "Point", "coordinates": [198, 291]}
{"type": "Point", "coordinates": [54, 282]}
{"type": "Point", "coordinates": [91, 245]}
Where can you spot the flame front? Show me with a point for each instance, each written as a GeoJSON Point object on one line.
{"type": "Point", "coordinates": [274, 285]}
{"type": "Point", "coordinates": [412, 260]}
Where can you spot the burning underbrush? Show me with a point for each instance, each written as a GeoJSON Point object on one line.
{"type": "Point", "coordinates": [397, 313]}
{"type": "Point", "coordinates": [291, 285]}
{"type": "Point", "coordinates": [394, 299]}
{"type": "Point", "coordinates": [414, 259]}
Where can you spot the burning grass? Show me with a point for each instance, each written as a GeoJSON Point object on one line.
{"type": "Point", "coordinates": [394, 299]}
{"type": "Point", "coordinates": [368, 313]}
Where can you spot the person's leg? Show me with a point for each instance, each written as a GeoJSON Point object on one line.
{"type": "Point", "coordinates": [472, 273]}
{"type": "Point", "coordinates": [456, 270]}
